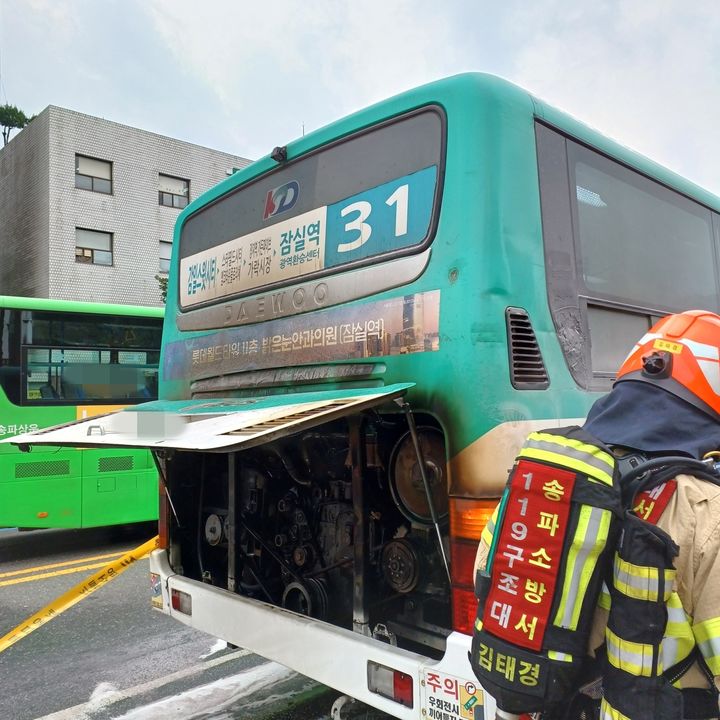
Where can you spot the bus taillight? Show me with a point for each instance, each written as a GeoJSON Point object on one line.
{"type": "Point", "coordinates": [181, 601]}
{"type": "Point", "coordinates": [468, 518]}
{"type": "Point", "coordinates": [464, 609]}
{"type": "Point", "coordinates": [389, 683]}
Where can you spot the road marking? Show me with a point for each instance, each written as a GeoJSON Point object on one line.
{"type": "Point", "coordinates": [43, 576]}
{"type": "Point", "coordinates": [63, 564]}
{"type": "Point", "coordinates": [77, 593]}
{"type": "Point", "coordinates": [219, 694]}
{"type": "Point", "coordinates": [84, 710]}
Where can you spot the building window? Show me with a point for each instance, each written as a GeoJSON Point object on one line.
{"type": "Point", "coordinates": [165, 253]}
{"type": "Point", "coordinates": [173, 192]}
{"type": "Point", "coordinates": [92, 174]}
{"type": "Point", "coordinates": [92, 246]}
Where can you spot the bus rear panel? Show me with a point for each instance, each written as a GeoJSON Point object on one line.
{"type": "Point", "coordinates": [330, 275]}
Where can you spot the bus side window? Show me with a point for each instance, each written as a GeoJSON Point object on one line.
{"type": "Point", "coordinates": [150, 389]}
{"type": "Point", "coordinates": [72, 391]}
{"type": "Point", "coordinates": [48, 392]}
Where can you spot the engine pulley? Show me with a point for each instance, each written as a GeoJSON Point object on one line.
{"type": "Point", "coordinates": [214, 530]}
{"type": "Point", "coordinates": [400, 565]}
{"type": "Point", "coordinates": [307, 598]}
{"type": "Point", "coordinates": [406, 483]}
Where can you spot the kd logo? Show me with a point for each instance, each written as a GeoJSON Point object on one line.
{"type": "Point", "coordinates": [281, 199]}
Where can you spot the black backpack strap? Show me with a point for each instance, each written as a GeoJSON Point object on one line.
{"type": "Point", "coordinates": [674, 673]}
{"type": "Point", "coordinates": [699, 704]}
{"type": "Point", "coordinates": [645, 475]}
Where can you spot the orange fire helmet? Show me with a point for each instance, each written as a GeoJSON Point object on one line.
{"type": "Point", "coordinates": [681, 354]}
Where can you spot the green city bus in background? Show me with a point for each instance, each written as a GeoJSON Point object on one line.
{"type": "Point", "coordinates": [62, 361]}
{"type": "Point", "coordinates": [362, 328]}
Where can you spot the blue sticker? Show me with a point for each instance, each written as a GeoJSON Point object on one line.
{"type": "Point", "coordinates": [388, 217]}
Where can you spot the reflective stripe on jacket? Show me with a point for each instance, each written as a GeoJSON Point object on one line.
{"type": "Point", "coordinates": [692, 519]}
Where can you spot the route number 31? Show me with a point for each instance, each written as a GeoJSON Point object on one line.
{"type": "Point", "coordinates": [363, 209]}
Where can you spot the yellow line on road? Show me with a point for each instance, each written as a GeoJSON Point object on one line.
{"type": "Point", "coordinates": [77, 593]}
{"type": "Point", "coordinates": [27, 571]}
{"type": "Point", "coordinates": [43, 576]}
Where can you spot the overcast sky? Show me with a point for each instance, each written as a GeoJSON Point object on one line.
{"type": "Point", "coordinates": [243, 76]}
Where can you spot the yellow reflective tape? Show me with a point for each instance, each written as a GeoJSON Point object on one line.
{"type": "Point", "coordinates": [604, 599]}
{"type": "Point", "coordinates": [631, 657]}
{"type": "Point", "coordinates": [565, 461]}
{"type": "Point", "coordinates": [680, 631]}
{"type": "Point", "coordinates": [678, 641]}
{"type": "Point", "coordinates": [587, 544]}
{"type": "Point", "coordinates": [608, 712]}
{"type": "Point", "coordinates": [577, 445]}
{"type": "Point", "coordinates": [707, 636]}
{"type": "Point", "coordinates": [487, 534]}
{"type": "Point", "coordinates": [77, 593]}
{"type": "Point", "coordinates": [55, 573]}
{"type": "Point", "coordinates": [603, 463]}
{"type": "Point", "coordinates": [568, 599]}
{"type": "Point", "coordinates": [678, 623]}
{"type": "Point", "coordinates": [561, 656]}
{"type": "Point", "coordinates": [478, 624]}
{"type": "Point", "coordinates": [27, 571]}
{"type": "Point", "coordinates": [641, 582]}
{"type": "Point", "coordinates": [707, 629]}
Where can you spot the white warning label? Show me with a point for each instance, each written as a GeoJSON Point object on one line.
{"type": "Point", "coordinates": [445, 697]}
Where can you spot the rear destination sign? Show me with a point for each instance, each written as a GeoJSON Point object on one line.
{"type": "Point", "coordinates": [391, 216]}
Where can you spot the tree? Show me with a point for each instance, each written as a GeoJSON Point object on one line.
{"type": "Point", "coordinates": [12, 118]}
{"type": "Point", "coordinates": [162, 282]}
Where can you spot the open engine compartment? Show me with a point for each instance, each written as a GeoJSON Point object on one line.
{"type": "Point", "coordinates": [333, 522]}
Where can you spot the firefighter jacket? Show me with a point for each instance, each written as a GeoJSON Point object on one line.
{"type": "Point", "coordinates": [692, 519]}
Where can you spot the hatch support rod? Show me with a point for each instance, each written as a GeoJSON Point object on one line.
{"type": "Point", "coordinates": [405, 407]}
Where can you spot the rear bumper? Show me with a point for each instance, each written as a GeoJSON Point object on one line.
{"type": "Point", "coordinates": [330, 655]}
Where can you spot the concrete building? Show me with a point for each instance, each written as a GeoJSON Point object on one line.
{"type": "Point", "coordinates": [88, 206]}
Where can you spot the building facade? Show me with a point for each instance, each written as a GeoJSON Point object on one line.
{"type": "Point", "coordinates": [88, 206]}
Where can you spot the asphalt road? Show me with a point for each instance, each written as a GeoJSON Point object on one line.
{"type": "Point", "coordinates": [113, 656]}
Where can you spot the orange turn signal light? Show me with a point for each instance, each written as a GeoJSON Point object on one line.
{"type": "Point", "coordinates": [468, 517]}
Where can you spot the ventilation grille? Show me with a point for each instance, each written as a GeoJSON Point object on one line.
{"type": "Point", "coordinates": [42, 469]}
{"type": "Point", "coordinates": [527, 369]}
{"type": "Point", "coordinates": [114, 464]}
{"type": "Point", "coordinates": [287, 419]}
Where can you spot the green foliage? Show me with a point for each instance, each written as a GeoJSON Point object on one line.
{"type": "Point", "coordinates": [12, 118]}
{"type": "Point", "coordinates": [162, 282]}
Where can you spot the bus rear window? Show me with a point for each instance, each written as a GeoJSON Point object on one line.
{"type": "Point", "coordinates": [373, 194]}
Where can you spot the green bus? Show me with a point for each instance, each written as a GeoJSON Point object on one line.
{"type": "Point", "coordinates": [362, 328]}
{"type": "Point", "coordinates": [62, 361]}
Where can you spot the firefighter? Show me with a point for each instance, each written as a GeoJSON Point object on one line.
{"type": "Point", "coordinates": [665, 401]}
